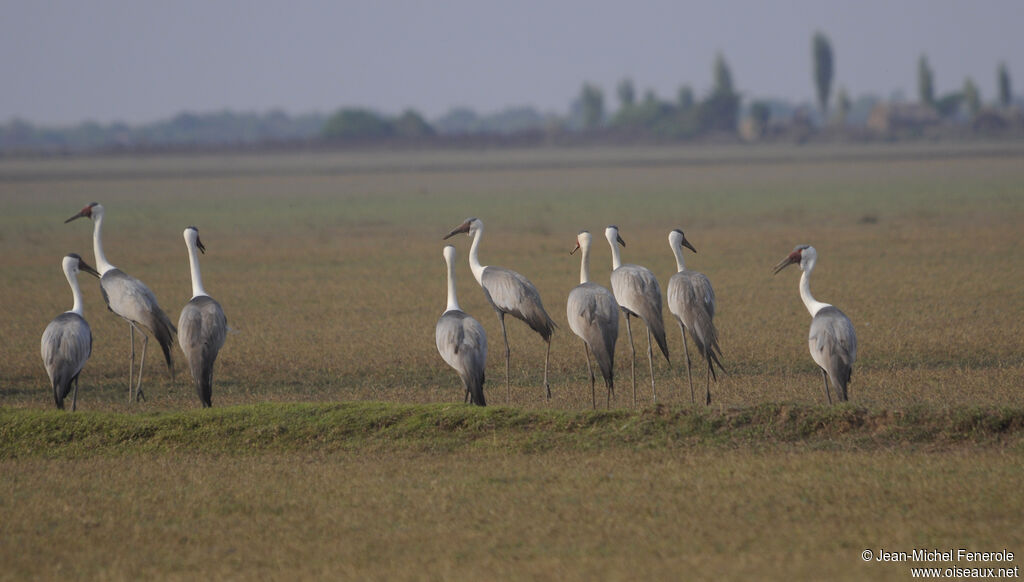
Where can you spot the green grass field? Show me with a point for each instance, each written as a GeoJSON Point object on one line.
{"type": "Point", "coordinates": [329, 268]}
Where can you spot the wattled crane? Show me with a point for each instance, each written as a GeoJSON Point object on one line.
{"type": "Point", "coordinates": [832, 341]}
{"type": "Point", "coordinates": [593, 315]}
{"type": "Point", "coordinates": [639, 295]}
{"type": "Point", "coordinates": [132, 300]}
{"type": "Point", "coordinates": [67, 340]}
{"type": "Point", "coordinates": [692, 300]}
{"type": "Point", "coordinates": [202, 326]}
{"type": "Point", "coordinates": [461, 340]}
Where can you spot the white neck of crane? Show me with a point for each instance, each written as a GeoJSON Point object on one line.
{"type": "Point", "coordinates": [616, 255]}
{"type": "Point", "coordinates": [585, 263]}
{"type": "Point", "coordinates": [812, 305]}
{"type": "Point", "coordinates": [102, 264]}
{"type": "Point", "coordinates": [677, 250]}
{"type": "Point", "coordinates": [474, 257]}
{"type": "Point", "coordinates": [193, 265]}
{"type": "Point", "coordinates": [76, 292]}
{"type": "Point", "coordinates": [453, 300]}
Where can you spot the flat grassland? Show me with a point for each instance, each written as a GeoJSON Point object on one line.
{"type": "Point", "coordinates": [329, 269]}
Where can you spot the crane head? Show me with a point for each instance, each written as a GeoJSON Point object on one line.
{"type": "Point", "coordinates": [194, 232]}
{"type": "Point", "coordinates": [679, 239]}
{"type": "Point", "coordinates": [86, 212]}
{"type": "Point", "coordinates": [81, 265]}
{"type": "Point", "coordinates": [583, 238]}
{"type": "Point", "coordinates": [468, 227]}
{"type": "Point", "coordinates": [612, 234]}
{"type": "Point", "coordinates": [448, 252]}
{"type": "Point", "coordinates": [794, 257]}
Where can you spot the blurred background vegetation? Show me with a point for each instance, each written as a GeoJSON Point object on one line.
{"type": "Point", "coordinates": [725, 113]}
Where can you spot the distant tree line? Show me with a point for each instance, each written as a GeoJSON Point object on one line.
{"type": "Point", "coordinates": [685, 117]}
{"type": "Point", "coordinates": [183, 130]}
{"type": "Point", "coordinates": [720, 111]}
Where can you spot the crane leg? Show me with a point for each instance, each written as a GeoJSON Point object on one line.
{"type": "Point", "coordinates": [650, 362]}
{"type": "Point", "coordinates": [590, 370]}
{"type": "Point", "coordinates": [707, 384]}
{"type": "Point", "coordinates": [824, 376]}
{"type": "Point", "coordinates": [508, 356]}
{"type": "Point", "coordinates": [139, 396]}
{"type": "Point", "coordinates": [74, 397]}
{"type": "Point", "coordinates": [689, 374]}
{"type": "Point", "coordinates": [131, 361]}
{"type": "Point", "coordinates": [632, 358]}
{"type": "Point", "coordinates": [547, 356]}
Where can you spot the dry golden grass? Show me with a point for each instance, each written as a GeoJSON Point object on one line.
{"type": "Point", "coordinates": [329, 270]}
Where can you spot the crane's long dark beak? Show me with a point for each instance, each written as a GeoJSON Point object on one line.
{"type": "Point", "coordinates": [84, 212]}
{"type": "Point", "coordinates": [573, 252]}
{"type": "Point", "coordinates": [687, 244]}
{"type": "Point", "coordinates": [789, 260]}
{"type": "Point", "coordinates": [464, 227]}
{"type": "Point", "coordinates": [621, 242]}
{"type": "Point", "coordinates": [200, 246]}
{"type": "Point", "coordinates": [86, 267]}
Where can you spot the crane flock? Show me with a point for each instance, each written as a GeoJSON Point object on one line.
{"type": "Point", "coordinates": [67, 341]}
{"type": "Point", "coordinates": [592, 312]}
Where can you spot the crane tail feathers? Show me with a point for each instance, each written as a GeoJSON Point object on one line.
{"type": "Point", "coordinates": [658, 330]}
{"type": "Point", "coordinates": [476, 392]}
{"type": "Point", "coordinates": [714, 358]}
{"type": "Point", "coordinates": [164, 331]}
{"type": "Point", "coordinates": [606, 363]}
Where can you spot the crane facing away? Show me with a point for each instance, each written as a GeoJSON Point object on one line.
{"type": "Point", "coordinates": [692, 300]}
{"type": "Point", "coordinates": [461, 340]}
{"type": "Point", "coordinates": [639, 295]}
{"type": "Point", "coordinates": [67, 340]}
{"type": "Point", "coordinates": [832, 341]}
{"type": "Point", "coordinates": [508, 292]}
{"type": "Point", "coordinates": [202, 326]}
{"type": "Point", "coordinates": [593, 315]}
{"type": "Point", "coordinates": [132, 300]}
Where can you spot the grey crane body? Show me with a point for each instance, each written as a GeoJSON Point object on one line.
{"type": "Point", "coordinates": [691, 299]}
{"type": "Point", "coordinates": [202, 326]}
{"type": "Point", "coordinates": [461, 340]}
{"type": "Point", "coordinates": [66, 343]}
{"type": "Point", "coordinates": [132, 300]}
{"type": "Point", "coordinates": [202, 329]}
{"type": "Point", "coordinates": [593, 315]}
{"type": "Point", "coordinates": [833, 346]}
{"type": "Point", "coordinates": [510, 293]}
{"type": "Point", "coordinates": [832, 340]}
{"type": "Point", "coordinates": [66, 346]}
{"type": "Point", "coordinates": [462, 343]}
{"type": "Point", "coordinates": [638, 294]}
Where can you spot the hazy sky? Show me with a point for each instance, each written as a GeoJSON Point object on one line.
{"type": "Point", "coordinates": [139, 60]}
